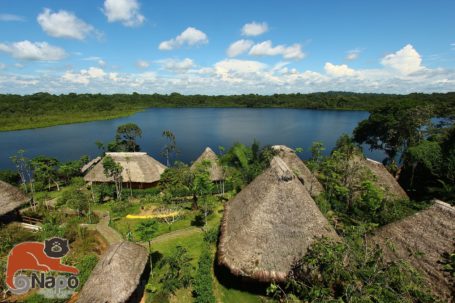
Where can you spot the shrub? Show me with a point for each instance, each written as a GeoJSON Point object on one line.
{"type": "Point", "coordinates": [203, 284]}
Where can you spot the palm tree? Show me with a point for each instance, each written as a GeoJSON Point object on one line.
{"type": "Point", "coordinates": [146, 230]}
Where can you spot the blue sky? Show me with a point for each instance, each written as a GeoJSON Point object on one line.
{"type": "Point", "coordinates": [226, 47]}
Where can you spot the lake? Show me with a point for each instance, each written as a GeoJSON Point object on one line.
{"type": "Point", "coordinates": [195, 128]}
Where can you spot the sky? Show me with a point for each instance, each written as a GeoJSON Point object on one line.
{"type": "Point", "coordinates": [226, 47]}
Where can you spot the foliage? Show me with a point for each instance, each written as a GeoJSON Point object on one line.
{"type": "Point", "coordinates": [126, 136]}
{"type": "Point", "coordinates": [114, 170]}
{"type": "Point", "coordinates": [45, 170]}
{"type": "Point", "coordinates": [394, 128]}
{"type": "Point", "coordinates": [38, 298]}
{"type": "Point", "coordinates": [203, 283]}
{"type": "Point", "coordinates": [77, 200]}
{"type": "Point", "coordinates": [178, 270]}
{"type": "Point", "coordinates": [171, 147]}
{"type": "Point", "coordinates": [245, 163]}
{"type": "Point", "coordinates": [86, 264]}
{"type": "Point", "coordinates": [351, 271]}
{"type": "Point", "coordinates": [9, 176]}
{"type": "Point", "coordinates": [43, 109]}
{"type": "Point", "coordinates": [211, 235]}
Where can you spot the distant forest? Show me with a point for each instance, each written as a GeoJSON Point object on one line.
{"type": "Point", "coordinates": [43, 109]}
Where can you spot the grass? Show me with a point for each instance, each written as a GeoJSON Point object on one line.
{"type": "Point", "coordinates": [31, 122]}
{"type": "Point", "coordinates": [194, 243]}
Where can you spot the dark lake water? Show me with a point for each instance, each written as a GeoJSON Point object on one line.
{"type": "Point", "coordinates": [195, 128]}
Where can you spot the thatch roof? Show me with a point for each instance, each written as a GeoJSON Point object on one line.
{"type": "Point", "coordinates": [137, 168]}
{"type": "Point", "coordinates": [90, 164]}
{"type": "Point", "coordinates": [385, 180]}
{"type": "Point", "coordinates": [269, 225]}
{"type": "Point", "coordinates": [216, 171]}
{"type": "Point", "coordinates": [421, 239]}
{"type": "Point", "coordinates": [299, 168]}
{"type": "Point", "coordinates": [11, 198]}
{"type": "Point", "coordinates": [117, 275]}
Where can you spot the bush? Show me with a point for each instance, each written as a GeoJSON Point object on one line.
{"type": "Point", "coordinates": [86, 265]}
{"type": "Point", "coordinates": [351, 271]}
{"type": "Point", "coordinates": [203, 284]}
{"type": "Point", "coordinates": [211, 235]}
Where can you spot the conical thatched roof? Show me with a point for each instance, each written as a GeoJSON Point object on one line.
{"type": "Point", "coordinates": [421, 239]}
{"type": "Point", "coordinates": [299, 169]}
{"type": "Point", "coordinates": [216, 171]}
{"type": "Point", "coordinates": [269, 225]}
{"type": "Point", "coordinates": [11, 198]}
{"type": "Point", "coordinates": [137, 168]}
{"type": "Point", "coordinates": [117, 275]}
{"type": "Point", "coordinates": [384, 179]}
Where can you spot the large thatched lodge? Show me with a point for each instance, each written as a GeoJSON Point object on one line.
{"type": "Point", "coordinates": [215, 169]}
{"type": "Point", "coordinates": [423, 239]}
{"type": "Point", "coordinates": [299, 168]}
{"type": "Point", "coordinates": [11, 199]}
{"type": "Point", "coordinates": [120, 275]}
{"type": "Point", "coordinates": [269, 225]}
{"type": "Point", "coordinates": [139, 170]}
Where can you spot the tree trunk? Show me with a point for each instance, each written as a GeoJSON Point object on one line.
{"type": "Point", "coordinates": [194, 205]}
{"type": "Point", "coordinates": [151, 259]}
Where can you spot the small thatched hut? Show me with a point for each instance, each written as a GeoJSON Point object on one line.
{"type": "Point", "coordinates": [216, 171]}
{"type": "Point", "coordinates": [421, 239]}
{"type": "Point", "coordinates": [299, 168]}
{"type": "Point", "coordinates": [11, 198]}
{"type": "Point", "coordinates": [269, 225]}
{"type": "Point", "coordinates": [139, 170]}
{"type": "Point", "coordinates": [120, 276]}
{"type": "Point", "coordinates": [385, 180]}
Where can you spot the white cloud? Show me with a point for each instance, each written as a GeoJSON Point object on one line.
{"type": "Point", "coordinates": [338, 70]}
{"type": "Point", "coordinates": [353, 54]}
{"type": "Point", "coordinates": [124, 11]}
{"type": "Point", "coordinates": [2, 65]}
{"type": "Point", "coordinates": [142, 64]}
{"type": "Point", "coordinates": [293, 52]}
{"type": "Point", "coordinates": [64, 24]}
{"type": "Point", "coordinates": [232, 68]}
{"type": "Point", "coordinates": [453, 46]}
{"type": "Point", "coordinates": [101, 62]}
{"type": "Point", "coordinates": [190, 36]}
{"type": "Point", "coordinates": [239, 47]}
{"type": "Point", "coordinates": [254, 29]}
{"type": "Point", "coordinates": [407, 60]}
{"type": "Point", "coordinates": [11, 17]}
{"type": "Point", "coordinates": [177, 65]}
{"type": "Point", "coordinates": [84, 76]}
{"type": "Point", "coordinates": [38, 51]}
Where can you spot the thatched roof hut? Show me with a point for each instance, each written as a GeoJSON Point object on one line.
{"type": "Point", "coordinates": [384, 179]}
{"type": "Point", "coordinates": [421, 239]}
{"type": "Point", "coordinates": [216, 171]}
{"type": "Point", "coordinates": [11, 198]}
{"type": "Point", "coordinates": [138, 168]}
{"type": "Point", "coordinates": [299, 168]}
{"type": "Point", "coordinates": [119, 276]}
{"type": "Point", "coordinates": [269, 225]}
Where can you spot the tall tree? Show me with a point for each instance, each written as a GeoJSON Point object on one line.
{"type": "Point", "coordinates": [126, 137]}
{"type": "Point", "coordinates": [146, 230]}
{"type": "Point", "coordinates": [394, 128]}
{"type": "Point", "coordinates": [24, 169]}
{"type": "Point", "coordinates": [45, 170]}
{"type": "Point", "coordinates": [171, 147]}
{"type": "Point", "coordinates": [114, 170]}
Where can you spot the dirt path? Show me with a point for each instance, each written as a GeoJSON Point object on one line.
{"type": "Point", "coordinates": [111, 235]}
